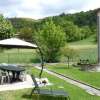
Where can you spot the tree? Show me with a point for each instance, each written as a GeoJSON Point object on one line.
{"type": "Point", "coordinates": [68, 53]}
{"type": "Point", "coordinates": [72, 31]}
{"type": "Point", "coordinates": [25, 33]}
{"type": "Point", "coordinates": [50, 38]}
{"type": "Point", "coordinates": [6, 28]}
{"type": "Point", "coordinates": [85, 32]}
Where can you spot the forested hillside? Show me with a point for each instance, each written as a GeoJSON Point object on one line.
{"type": "Point", "coordinates": [76, 26]}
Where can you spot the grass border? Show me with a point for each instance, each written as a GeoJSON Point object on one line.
{"type": "Point", "coordinates": [76, 80]}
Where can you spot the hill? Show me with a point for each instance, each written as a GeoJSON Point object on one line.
{"type": "Point", "coordinates": [84, 21]}
{"type": "Point", "coordinates": [81, 19]}
{"type": "Point", "coordinates": [22, 22]}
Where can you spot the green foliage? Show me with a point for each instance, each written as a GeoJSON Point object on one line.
{"type": "Point", "coordinates": [25, 33]}
{"type": "Point", "coordinates": [19, 23]}
{"type": "Point", "coordinates": [76, 26]}
{"type": "Point", "coordinates": [83, 18]}
{"type": "Point", "coordinates": [72, 31]}
{"type": "Point", "coordinates": [50, 39]}
{"type": "Point", "coordinates": [68, 52]}
{"type": "Point", "coordinates": [95, 38]}
{"type": "Point", "coordinates": [85, 32]}
{"type": "Point", "coordinates": [6, 28]}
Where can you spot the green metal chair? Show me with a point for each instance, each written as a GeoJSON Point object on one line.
{"type": "Point", "coordinates": [37, 90]}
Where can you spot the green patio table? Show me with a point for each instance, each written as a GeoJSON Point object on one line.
{"type": "Point", "coordinates": [15, 69]}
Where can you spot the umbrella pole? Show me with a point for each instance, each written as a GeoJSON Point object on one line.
{"type": "Point", "coordinates": [18, 55]}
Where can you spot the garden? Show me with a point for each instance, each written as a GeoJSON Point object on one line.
{"type": "Point", "coordinates": [75, 93]}
{"type": "Point", "coordinates": [59, 48]}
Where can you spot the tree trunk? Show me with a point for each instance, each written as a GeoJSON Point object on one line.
{"type": "Point", "coordinates": [68, 61]}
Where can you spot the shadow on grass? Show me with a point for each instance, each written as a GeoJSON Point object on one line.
{"type": "Point", "coordinates": [44, 97]}
{"type": "Point", "coordinates": [61, 67]}
{"type": "Point", "coordinates": [27, 96]}
{"type": "Point", "coordinates": [35, 60]}
{"type": "Point", "coordinates": [32, 97]}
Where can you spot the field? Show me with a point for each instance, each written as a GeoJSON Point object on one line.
{"type": "Point", "coordinates": [85, 49]}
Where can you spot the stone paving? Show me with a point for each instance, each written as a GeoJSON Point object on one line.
{"type": "Point", "coordinates": [87, 88]}
{"type": "Point", "coordinates": [28, 83]}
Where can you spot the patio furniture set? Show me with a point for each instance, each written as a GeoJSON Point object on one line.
{"type": "Point", "coordinates": [11, 73]}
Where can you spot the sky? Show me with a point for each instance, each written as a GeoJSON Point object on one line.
{"type": "Point", "coordinates": [38, 9]}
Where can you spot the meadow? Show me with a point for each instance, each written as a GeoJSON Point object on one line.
{"type": "Point", "coordinates": [85, 49]}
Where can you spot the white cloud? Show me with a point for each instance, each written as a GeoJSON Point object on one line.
{"type": "Point", "coordinates": [92, 4]}
{"type": "Point", "coordinates": [42, 8]}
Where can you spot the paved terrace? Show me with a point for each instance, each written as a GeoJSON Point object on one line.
{"type": "Point", "coordinates": [25, 84]}
{"type": "Point", "coordinates": [18, 85]}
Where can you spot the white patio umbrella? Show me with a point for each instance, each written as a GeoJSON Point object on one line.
{"type": "Point", "coordinates": [16, 43]}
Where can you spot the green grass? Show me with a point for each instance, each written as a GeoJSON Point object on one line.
{"type": "Point", "coordinates": [87, 41]}
{"type": "Point", "coordinates": [85, 49]}
{"type": "Point", "coordinates": [88, 53]}
{"type": "Point", "coordinates": [92, 78]}
{"type": "Point", "coordinates": [75, 92]}
{"type": "Point", "coordinates": [19, 56]}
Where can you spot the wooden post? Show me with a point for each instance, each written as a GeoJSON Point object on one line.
{"type": "Point", "coordinates": [98, 33]}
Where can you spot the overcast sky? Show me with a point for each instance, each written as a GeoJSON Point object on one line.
{"type": "Point", "coordinates": [37, 9]}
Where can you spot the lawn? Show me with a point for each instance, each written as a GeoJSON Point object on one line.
{"type": "Point", "coordinates": [92, 78]}
{"type": "Point", "coordinates": [75, 92]}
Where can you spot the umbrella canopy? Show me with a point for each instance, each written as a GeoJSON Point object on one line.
{"type": "Point", "coordinates": [16, 43]}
